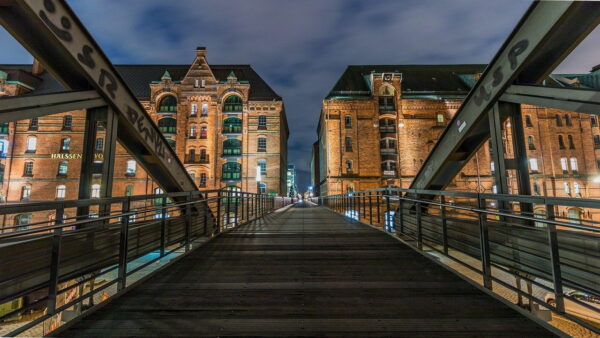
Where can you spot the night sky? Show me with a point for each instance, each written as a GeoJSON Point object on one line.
{"type": "Point", "coordinates": [302, 47]}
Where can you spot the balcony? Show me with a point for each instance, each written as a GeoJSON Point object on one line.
{"type": "Point", "coordinates": [387, 129]}
{"type": "Point", "coordinates": [196, 159]}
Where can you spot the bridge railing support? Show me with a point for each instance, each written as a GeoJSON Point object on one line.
{"type": "Point", "coordinates": [503, 246]}
{"type": "Point", "coordinates": [120, 248]}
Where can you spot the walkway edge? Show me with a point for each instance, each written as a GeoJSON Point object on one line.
{"type": "Point", "coordinates": [526, 314]}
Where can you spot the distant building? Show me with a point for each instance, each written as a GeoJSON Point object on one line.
{"type": "Point", "coordinates": [223, 121]}
{"type": "Point", "coordinates": [292, 187]}
{"type": "Point", "coordinates": [379, 123]}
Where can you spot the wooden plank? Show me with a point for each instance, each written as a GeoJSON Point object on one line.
{"type": "Point", "coordinates": [306, 272]}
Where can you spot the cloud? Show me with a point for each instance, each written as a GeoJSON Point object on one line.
{"type": "Point", "coordinates": [302, 47]}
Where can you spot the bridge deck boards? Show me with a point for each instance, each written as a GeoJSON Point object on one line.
{"type": "Point", "coordinates": [305, 272]}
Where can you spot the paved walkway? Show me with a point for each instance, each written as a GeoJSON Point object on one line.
{"type": "Point", "coordinates": [305, 272]}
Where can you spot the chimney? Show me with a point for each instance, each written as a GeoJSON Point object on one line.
{"type": "Point", "coordinates": [201, 51]}
{"type": "Point", "coordinates": [37, 68]}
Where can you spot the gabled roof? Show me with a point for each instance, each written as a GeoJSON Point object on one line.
{"type": "Point", "coordinates": [415, 78]}
{"type": "Point", "coordinates": [139, 78]}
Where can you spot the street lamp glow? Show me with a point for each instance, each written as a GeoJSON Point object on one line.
{"type": "Point", "coordinates": [596, 179]}
{"type": "Point", "coordinates": [258, 176]}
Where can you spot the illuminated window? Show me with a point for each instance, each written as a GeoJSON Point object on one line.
{"type": "Point", "coordinates": [129, 190]}
{"type": "Point", "coordinates": [577, 188]}
{"type": "Point", "coordinates": [204, 109]}
{"type": "Point", "coordinates": [494, 189]}
{"type": "Point", "coordinates": [65, 145]}
{"type": "Point", "coordinates": [95, 190]}
{"type": "Point", "coordinates": [99, 144]}
{"type": "Point", "coordinates": [574, 164]}
{"type": "Point", "coordinates": [131, 168]}
{"type": "Point", "coordinates": [564, 165]}
{"type": "Point", "coordinates": [26, 192]}
{"type": "Point", "coordinates": [31, 144]}
{"type": "Point", "coordinates": [567, 188]}
{"type": "Point", "coordinates": [533, 165]}
{"type": "Point", "coordinates": [194, 110]}
{"type": "Point", "coordinates": [63, 167]}
{"type": "Point", "coordinates": [193, 131]}
{"type": "Point", "coordinates": [61, 191]}
{"type": "Point", "coordinates": [440, 120]}
{"type": "Point", "coordinates": [263, 167]}
{"type": "Point", "coordinates": [492, 166]}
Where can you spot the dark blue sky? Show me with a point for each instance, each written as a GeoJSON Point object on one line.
{"type": "Point", "coordinates": [302, 47]}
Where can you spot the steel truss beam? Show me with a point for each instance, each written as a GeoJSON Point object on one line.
{"type": "Point", "coordinates": [546, 34]}
{"type": "Point", "coordinates": [579, 100]}
{"type": "Point", "coordinates": [26, 107]}
{"type": "Point", "coordinates": [53, 34]}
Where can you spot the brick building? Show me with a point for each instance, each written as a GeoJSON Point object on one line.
{"type": "Point", "coordinates": [378, 124]}
{"type": "Point", "coordinates": [224, 122]}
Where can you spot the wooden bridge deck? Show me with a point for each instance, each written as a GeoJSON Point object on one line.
{"type": "Point", "coordinates": [305, 272]}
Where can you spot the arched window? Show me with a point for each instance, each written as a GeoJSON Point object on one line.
{"type": "Point", "coordinates": [262, 144]}
{"type": "Point", "coordinates": [63, 167]}
{"type": "Point", "coordinates": [194, 109]}
{"type": "Point", "coordinates": [168, 104]}
{"type": "Point", "coordinates": [203, 180]}
{"type": "Point", "coordinates": [67, 122]}
{"type": "Point", "coordinates": [348, 143]}
{"type": "Point", "coordinates": [571, 143]}
{"type": "Point", "coordinates": [568, 120]}
{"type": "Point", "coordinates": [232, 147]}
{"type": "Point", "coordinates": [561, 142]}
{"type": "Point", "coordinates": [203, 156]}
{"type": "Point", "coordinates": [205, 109]}
{"type": "Point", "coordinates": [232, 171]}
{"type": "Point", "coordinates": [349, 165]}
{"type": "Point", "coordinates": [348, 121]}
{"type": "Point", "coordinates": [528, 122]}
{"type": "Point", "coordinates": [233, 104]}
{"type": "Point", "coordinates": [533, 165]}
{"type": "Point", "coordinates": [594, 121]}
{"type": "Point", "coordinates": [262, 188]}
{"type": "Point", "coordinates": [232, 125]}
{"type": "Point", "coordinates": [31, 144]}
{"type": "Point", "coordinates": [574, 166]}
{"type": "Point", "coordinates": [193, 131]}
{"type": "Point", "coordinates": [158, 201]}
{"type": "Point", "coordinates": [131, 168]}
{"type": "Point", "coordinates": [95, 191]}
{"type": "Point", "coordinates": [531, 142]}
{"type": "Point", "coordinates": [558, 120]}
{"type": "Point", "coordinates": [61, 191]}
{"type": "Point", "coordinates": [350, 188]}
{"type": "Point", "coordinates": [191, 156]}
{"type": "Point", "coordinates": [26, 192]}
{"type": "Point", "coordinates": [28, 169]}
{"type": "Point", "coordinates": [536, 189]}
{"type": "Point", "coordinates": [65, 145]}
{"type": "Point", "coordinates": [203, 132]}
{"type": "Point", "coordinates": [387, 90]}
{"type": "Point", "coordinates": [129, 190]}
{"type": "Point", "coordinates": [167, 125]}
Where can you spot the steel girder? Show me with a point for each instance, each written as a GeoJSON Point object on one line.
{"type": "Point", "coordinates": [546, 34]}
{"type": "Point", "coordinates": [53, 34]}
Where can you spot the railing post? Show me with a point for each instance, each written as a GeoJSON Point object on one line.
{"type": "Point", "coordinates": [484, 243]}
{"type": "Point", "coordinates": [55, 261]}
{"type": "Point", "coordinates": [401, 211]}
{"type": "Point", "coordinates": [419, 228]}
{"type": "Point", "coordinates": [388, 210]}
{"type": "Point", "coordinates": [555, 260]}
{"type": "Point", "coordinates": [188, 221]}
{"type": "Point", "coordinates": [123, 245]}
{"type": "Point", "coordinates": [378, 209]}
{"type": "Point", "coordinates": [235, 208]}
{"type": "Point", "coordinates": [370, 209]}
{"type": "Point", "coordinates": [242, 200]}
{"type": "Point", "coordinates": [228, 208]}
{"type": "Point", "coordinates": [163, 227]}
{"type": "Point", "coordinates": [206, 211]}
{"type": "Point", "coordinates": [444, 223]}
{"type": "Point", "coordinates": [218, 210]}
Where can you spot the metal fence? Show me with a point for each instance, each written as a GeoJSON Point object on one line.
{"type": "Point", "coordinates": [556, 254]}
{"type": "Point", "coordinates": [55, 267]}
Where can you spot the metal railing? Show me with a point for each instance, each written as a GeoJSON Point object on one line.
{"type": "Point", "coordinates": [488, 234]}
{"type": "Point", "coordinates": [56, 267]}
